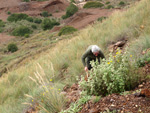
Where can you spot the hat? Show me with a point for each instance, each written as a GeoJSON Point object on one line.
{"type": "Point", "coordinates": [95, 49]}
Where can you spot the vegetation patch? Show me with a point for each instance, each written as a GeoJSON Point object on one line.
{"type": "Point", "coordinates": [71, 10]}
{"type": "Point", "coordinates": [93, 5]}
{"type": "Point", "coordinates": [30, 19]}
{"type": "Point", "coordinates": [66, 30]}
{"type": "Point", "coordinates": [12, 47]}
{"type": "Point", "coordinates": [37, 20]}
{"type": "Point", "coordinates": [114, 75]}
{"type": "Point", "coordinates": [21, 31]}
{"type": "Point", "coordinates": [17, 17]}
{"type": "Point", "coordinates": [101, 18]}
{"type": "Point", "coordinates": [49, 23]}
{"type": "Point", "coordinates": [109, 7]}
{"type": "Point", "coordinates": [121, 3]}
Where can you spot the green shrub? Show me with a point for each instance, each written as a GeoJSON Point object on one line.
{"type": "Point", "coordinates": [45, 14]}
{"type": "Point", "coordinates": [121, 3]}
{"type": "Point", "coordinates": [37, 20]}
{"type": "Point", "coordinates": [51, 14]}
{"type": "Point", "coordinates": [26, 35]}
{"type": "Point", "coordinates": [8, 12]}
{"type": "Point", "coordinates": [49, 23]}
{"type": "Point", "coordinates": [21, 31]}
{"type": "Point", "coordinates": [108, 2]}
{"type": "Point", "coordinates": [12, 47]}
{"type": "Point", "coordinates": [93, 5]}
{"type": "Point", "coordinates": [109, 7]}
{"type": "Point", "coordinates": [29, 19]}
{"type": "Point", "coordinates": [114, 75]}
{"type": "Point", "coordinates": [2, 24]}
{"type": "Point", "coordinates": [66, 30]}
{"type": "Point", "coordinates": [72, 1]}
{"type": "Point", "coordinates": [17, 17]}
{"type": "Point", "coordinates": [1, 30]}
{"type": "Point", "coordinates": [101, 18]}
{"type": "Point", "coordinates": [141, 62]}
{"type": "Point", "coordinates": [34, 26]}
{"type": "Point", "coordinates": [26, 0]}
{"type": "Point", "coordinates": [70, 11]}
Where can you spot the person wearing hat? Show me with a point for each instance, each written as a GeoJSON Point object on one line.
{"type": "Point", "coordinates": [92, 53]}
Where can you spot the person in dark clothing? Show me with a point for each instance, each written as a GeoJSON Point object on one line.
{"type": "Point", "coordinates": [91, 54]}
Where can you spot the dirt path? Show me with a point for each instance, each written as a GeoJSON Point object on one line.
{"type": "Point", "coordinates": [87, 16]}
{"type": "Point", "coordinates": [5, 38]}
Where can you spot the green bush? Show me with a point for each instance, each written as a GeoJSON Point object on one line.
{"type": "Point", "coordinates": [51, 14]}
{"type": "Point", "coordinates": [8, 12]}
{"type": "Point", "coordinates": [121, 3]}
{"type": "Point", "coordinates": [66, 30]}
{"type": "Point", "coordinates": [72, 1]}
{"type": "Point", "coordinates": [49, 23]}
{"type": "Point", "coordinates": [29, 19]}
{"type": "Point", "coordinates": [34, 26]}
{"type": "Point", "coordinates": [45, 14]}
{"type": "Point", "coordinates": [2, 24]}
{"type": "Point", "coordinates": [101, 18]}
{"type": "Point", "coordinates": [17, 17]}
{"type": "Point", "coordinates": [141, 62]}
{"type": "Point", "coordinates": [108, 2]}
{"type": "Point", "coordinates": [26, 35]}
{"type": "Point", "coordinates": [71, 9]}
{"type": "Point", "coordinates": [93, 5]}
{"type": "Point", "coordinates": [21, 31]}
{"type": "Point", "coordinates": [114, 75]}
{"type": "Point", "coordinates": [1, 30]}
{"type": "Point", "coordinates": [26, 0]}
{"type": "Point", "coordinates": [109, 7]}
{"type": "Point", "coordinates": [37, 20]}
{"type": "Point", "coordinates": [12, 47]}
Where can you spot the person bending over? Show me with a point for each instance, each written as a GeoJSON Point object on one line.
{"type": "Point", "coordinates": [92, 53]}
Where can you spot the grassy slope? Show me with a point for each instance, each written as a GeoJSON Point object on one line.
{"type": "Point", "coordinates": [67, 55]}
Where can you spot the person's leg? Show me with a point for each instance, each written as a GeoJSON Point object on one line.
{"type": "Point", "coordinates": [88, 60]}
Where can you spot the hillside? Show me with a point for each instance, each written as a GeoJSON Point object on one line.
{"type": "Point", "coordinates": [44, 82]}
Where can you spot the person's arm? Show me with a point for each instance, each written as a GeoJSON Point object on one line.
{"type": "Point", "coordinates": [84, 57]}
{"type": "Point", "coordinates": [101, 55]}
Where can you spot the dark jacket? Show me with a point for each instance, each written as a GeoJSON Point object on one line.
{"type": "Point", "coordinates": [88, 53]}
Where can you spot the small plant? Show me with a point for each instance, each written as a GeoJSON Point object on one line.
{"type": "Point", "coordinates": [101, 18]}
{"type": "Point", "coordinates": [34, 26]}
{"type": "Point", "coordinates": [29, 19]}
{"type": "Point", "coordinates": [108, 2]}
{"type": "Point", "coordinates": [8, 12]}
{"type": "Point", "coordinates": [96, 99]}
{"type": "Point", "coordinates": [57, 11]}
{"type": "Point", "coordinates": [21, 31]}
{"type": "Point", "coordinates": [93, 5]}
{"type": "Point", "coordinates": [49, 23]}
{"type": "Point", "coordinates": [76, 107]}
{"type": "Point", "coordinates": [72, 1]}
{"type": "Point", "coordinates": [109, 7]}
{"type": "Point", "coordinates": [143, 60]}
{"type": "Point", "coordinates": [51, 14]}
{"type": "Point", "coordinates": [26, 35]}
{"type": "Point", "coordinates": [12, 47]}
{"type": "Point", "coordinates": [17, 17]}
{"type": "Point", "coordinates": [2, 24]}
{"type": "Point", "coordinates": [70, 11]}
{"type": "Point", "coordinates": [37, 20]}
{"type": "Point", "coordinates": [66, 30]}
{"type": "Point", "coordinates": [45, 14]}
{"type": "Point", "coordinates": [114, 75]}
{"type": "Point", "coordinates": [121, 3]}
{"type": "Point", "coordinates": [26, 0]}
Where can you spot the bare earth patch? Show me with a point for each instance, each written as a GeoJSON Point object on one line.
{"type": "Point", "coordinates": [5, 38]}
